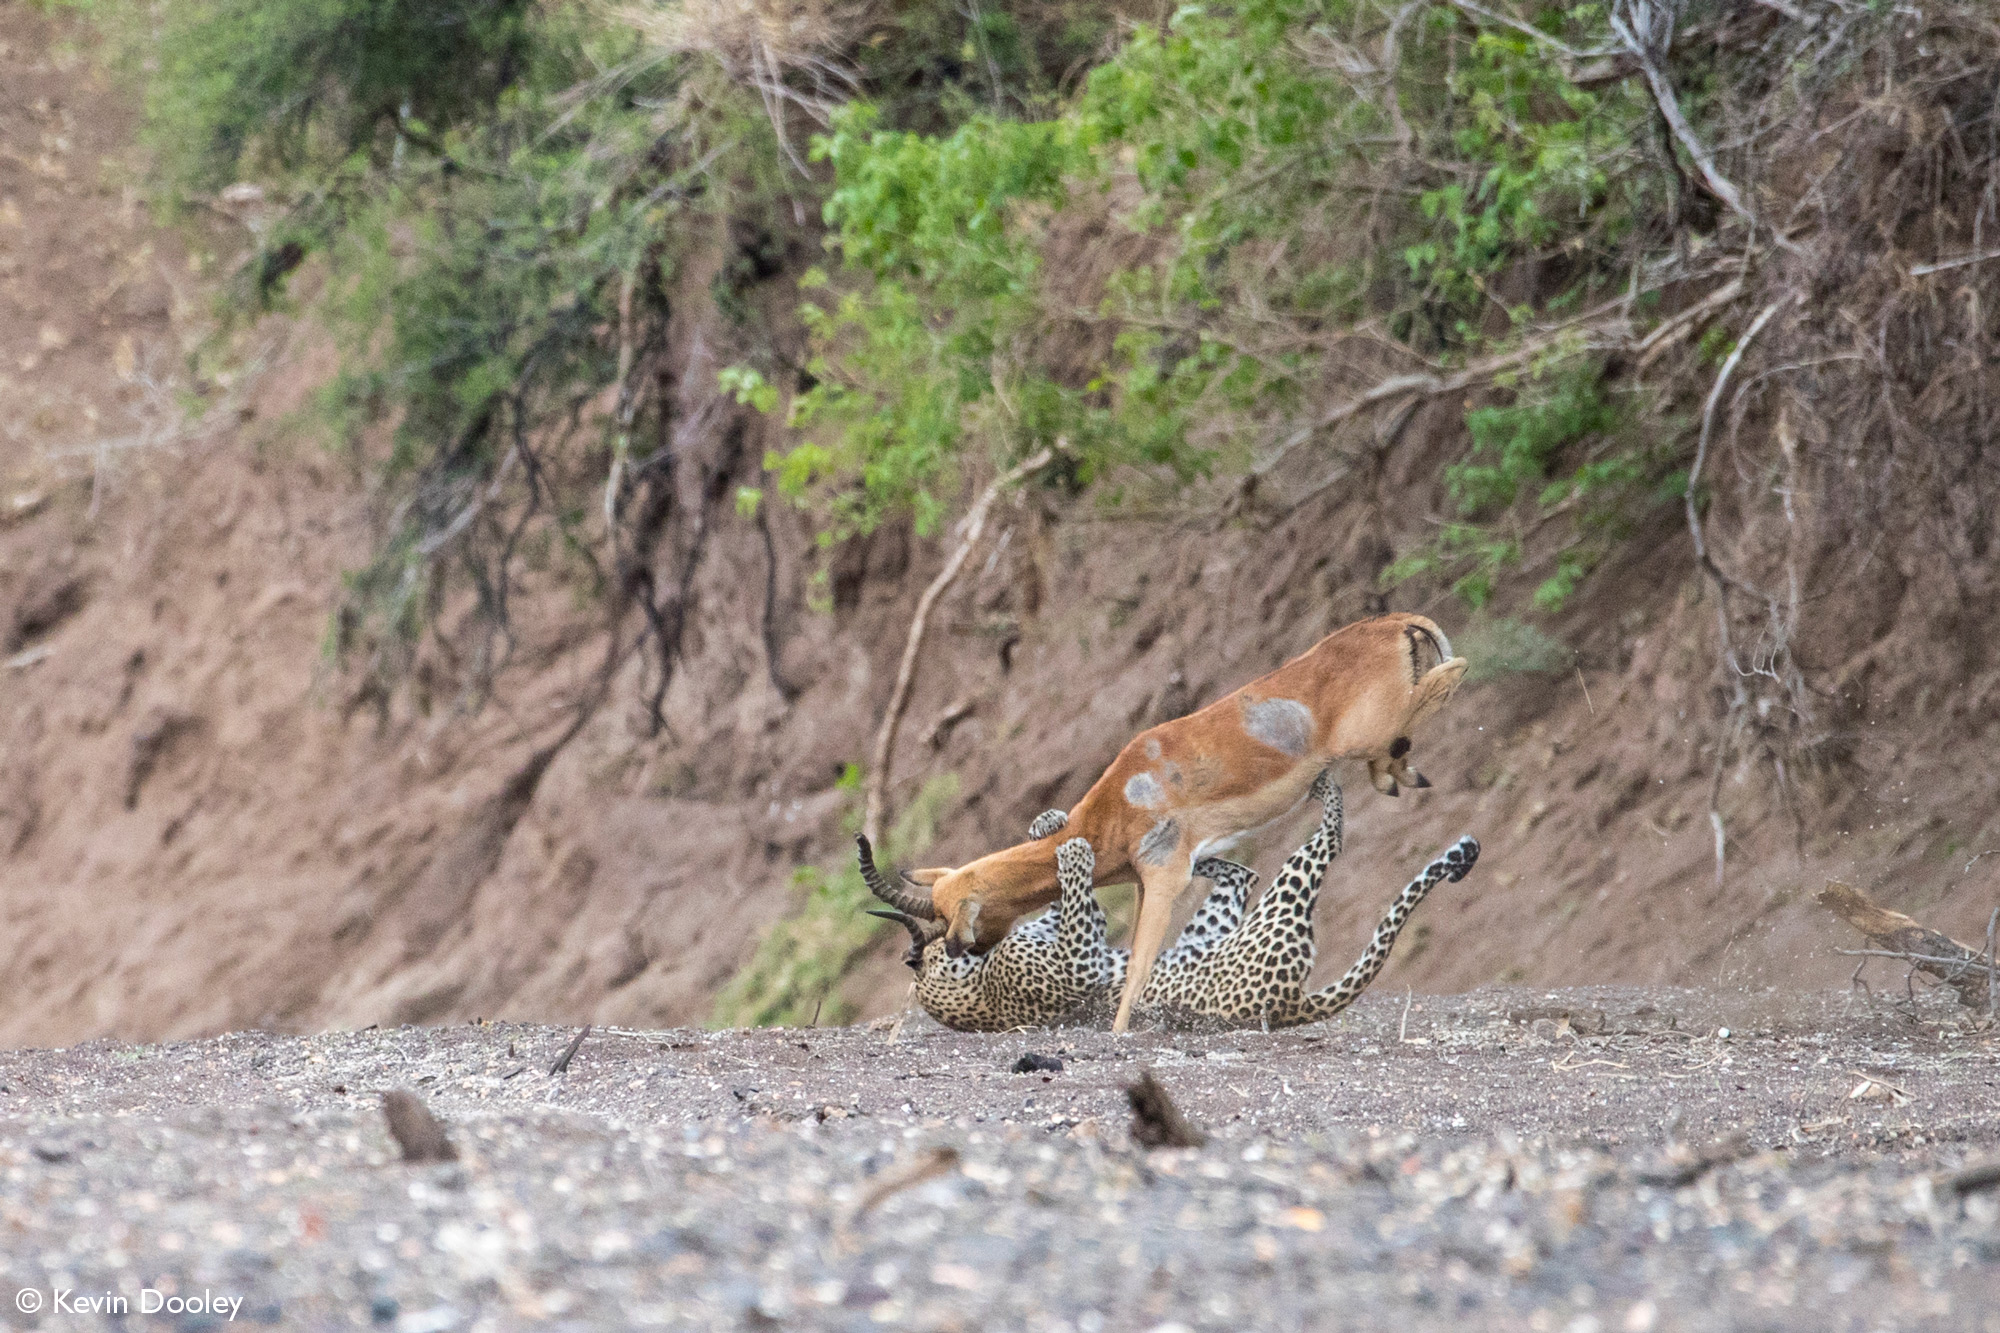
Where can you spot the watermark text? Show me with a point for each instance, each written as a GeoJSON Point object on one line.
{"type": "Point", "coordinates": [68, 1300]}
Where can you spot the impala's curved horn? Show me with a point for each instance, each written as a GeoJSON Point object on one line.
{"type": "Point", "coordinates": [921, 932]}
{"type": "Point", "coordinates": [900, 899]}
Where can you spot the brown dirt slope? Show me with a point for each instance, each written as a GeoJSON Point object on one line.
{"type": "Point", "coordinates": [203, 826]}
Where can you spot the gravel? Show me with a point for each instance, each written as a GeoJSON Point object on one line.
{"type": "Point", "coordinates": [1574, 1160]}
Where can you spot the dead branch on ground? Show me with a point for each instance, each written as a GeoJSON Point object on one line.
{"type": "Point", "coordinates": [1971, 1180]}
{"type": "Point", "coordinates": [561, 1065]}
{"type": "Point", "coordinates": [928, 1166]}
{"type": "Point", "coordinates": [1685, 1165]}
{"type": "Point", "coordinates": [1959, 966]}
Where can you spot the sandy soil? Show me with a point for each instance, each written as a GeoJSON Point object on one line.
{"type": "Point", "coordinates": [202, 828]}
{"type": "Point", "coordinates": [1509, 1159]}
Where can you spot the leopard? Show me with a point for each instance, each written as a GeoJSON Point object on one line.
{"type": "Point", "coordinates": [1232, 966]}
{"type": "Point", "coordinates": [1255, 974]}
{"type": "Point", "coordinates": [1055, 969]}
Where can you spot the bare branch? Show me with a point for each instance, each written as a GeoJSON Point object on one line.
{"type": "Point", "coordinates": [1723, 582]}
{"type": "Point", "coordinates": [1603, 328]}
{"type": "Point", "coordinates": [1708, 429]}
{"type": "Point", "coordinates": [1391, 100]}
{"type": "Point", "coordinates": [1672, 330]}
{"type": "Point", "coordinates": [899, 697]}
{"type": "Point", "coordinates": [628, 406]}
{"type": "Point", "coordinates": [1646, 27]}
{"type": "Point", "coordinates": [1526, 30]}
{"type": "Point", "coordinates": [1945, 265]}
{"type": "Point", "coordinates": [1992, 971]}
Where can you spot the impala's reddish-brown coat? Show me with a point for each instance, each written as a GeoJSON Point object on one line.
{"type": "Point", "coordinates": [1194, 786]}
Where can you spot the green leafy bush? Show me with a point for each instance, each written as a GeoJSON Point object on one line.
{"type": "Point", "coordinates": [503, 196]}
{"type": "Point", "coordinates": [1271, 189]}
{"type": "Point", "coordinates": [1159, 265]}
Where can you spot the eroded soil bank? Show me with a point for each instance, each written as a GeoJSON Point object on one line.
{"type": "Point", "coordinates": [1509, 1159]}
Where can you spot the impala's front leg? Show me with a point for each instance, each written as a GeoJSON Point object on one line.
{"type": "Point", "coordinates": [1160, 887]}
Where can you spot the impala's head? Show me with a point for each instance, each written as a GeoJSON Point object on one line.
{"type": "Point", "coordinates": [973, 906]}
{"type": "Point", "coordinates": [971, 920]}
{"type": "Point", "coordinates": [1430, 674]}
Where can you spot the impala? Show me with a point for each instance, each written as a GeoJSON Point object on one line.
{"type": "Point", "coordinates": [1195, 786]}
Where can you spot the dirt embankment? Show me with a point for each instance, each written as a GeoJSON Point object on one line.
{"type": "Point", "coordinates": [204, 826]}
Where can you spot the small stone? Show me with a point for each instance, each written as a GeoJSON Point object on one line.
{"type": "Point", "coordinates": [1034, 1062]}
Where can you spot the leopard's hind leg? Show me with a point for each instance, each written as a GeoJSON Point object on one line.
{"type": "Point", "coordinates": [1083, 936]}
{"type": "Point", "coordinates": [1325, 1003]}
{"type": "Point", "coordinates": [1256, 973]}
{"type": "Point", "coordinates": [1220, 913]}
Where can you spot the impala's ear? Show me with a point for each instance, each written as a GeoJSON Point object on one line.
{"type": "Point", "coordinates": [1433, 690]}
{"type": "Point", "coordinates": [927, 877]}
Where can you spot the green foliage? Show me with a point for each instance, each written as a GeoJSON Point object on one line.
{"type": "Point", "coordinates": [1516, 445]}
{"type": "Point", "coordinates": [1561, 411]}
{"type": "Point", "coordinates": [1254, 166]}
{"type": "Point", "coordinates": [503, 195]}
{"type": "Point", "coordinates": [938, 65]}
{"type": "Point", "coordinates": [927, 341]}
{"type": "Point", "coordinates": [748, 387]}
{"type": "Point", "coordinates": [477, 296]}
{"type": "Point", "coordinates": [1156, 265]}
{"type": "Point", "coordinates": [1550, 162]}
{"type": "Point", "coordinates": [800, 963]}
{"type": "Point", "coordinates": [251, 84]}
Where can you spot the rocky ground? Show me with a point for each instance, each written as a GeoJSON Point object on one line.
{"type": "Point", "coordinates": [1511, 1159]}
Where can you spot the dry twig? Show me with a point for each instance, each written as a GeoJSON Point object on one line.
{"type": "Point", "coordinates": [1723, 583]}
{"type": "Point", "coordinates": [561, 1065]}
{"type": "Point", "coordinates": [1972, 1179]}
{"type": "Point", "coordinates": [1646, 27]}
{"type": "Point", "coordinates": [1946, 265]}
{"type": "Point", "coordinates": [1604, 327]}
{"type": "Point", "coordinates": [1684, 1166]}
{"type": "Point", "coordinates": [932, 1164]}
